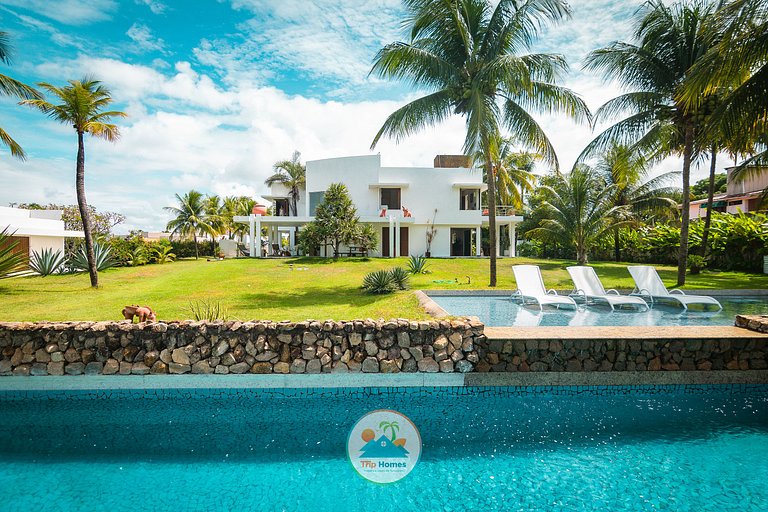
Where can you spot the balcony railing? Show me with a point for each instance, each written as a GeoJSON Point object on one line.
{"type": "Point", "coordinates": [501, 211]}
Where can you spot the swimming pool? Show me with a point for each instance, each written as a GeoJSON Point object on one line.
{"type": "Point", "coordinates": [484, 448]}
{"type": "Point", "coordinates": [500, 310]}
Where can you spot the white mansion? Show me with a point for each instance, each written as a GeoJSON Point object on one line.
{"type": "Point", "coordinates": [404, 204]}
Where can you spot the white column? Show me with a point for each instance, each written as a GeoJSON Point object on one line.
{"type": "Point", "coordinates": [391, 237]}
{"type": "Point", "coordinates": [512, 244]}
{"type": "Point", "coordinates": [478, 241]}
{"type": "Point", "coordinates": [252, 229]}
{"type": "Point", "coordinates": [292, 240]}
{"type": "Point", "coordinates": [498, 240]}
{"type": "Point", "coordinates": [397, 237]}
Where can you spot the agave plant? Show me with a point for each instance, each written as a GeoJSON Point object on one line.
{"type": "Point", "coordinates": [163, 254]}
{"type": "Point", "coordinates": [208, 310]}
{"type": "Point", "coordinates": [10, 260]}
{"type": "Point", "coordinates": [417, 265]}
{"type": "Point", "coordinates": [104, 259]}
{"type": "Point", "coordinates": [400, 277]}
{"type": "Point", "coordinates": [47, 262]}
{"type": "Point", "coordinates": [380, 281]}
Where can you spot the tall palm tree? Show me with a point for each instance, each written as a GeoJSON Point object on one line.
{"type": "Point", "coordinates": [292, 174]}
{"type": "Point", "coordinates": [580, 210]}
{"type": "Point", "coordinates": [11, 87]}
{"type": "Point", "coordinates": [216, 224]}
{"type": "Point", "coordinates": [229, 209]}
{"type": "Point", "coordinates": [642, 197]}
{"type": "Point", "coordinates": [468, 54]}
{"type": "Point", "coordinates": [514, 172]}
{"type": "Point", "coordinates": [671, 40]}
{"type": "Point", "coordinates": [82, 105]}
{"type": "Point", "coordinates": [190, 217]}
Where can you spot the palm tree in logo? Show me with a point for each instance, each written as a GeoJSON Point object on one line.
{"type": "Point", "coordinates": [392, 426]}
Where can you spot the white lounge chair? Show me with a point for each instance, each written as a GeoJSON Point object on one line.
{"type": "Point", "coordinates": [649, 285]}
{"type": "Point", "coordinates": [530, 287]}
{"type": "Point", "coordinates": [588, 285]}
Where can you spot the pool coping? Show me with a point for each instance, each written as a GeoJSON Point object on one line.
{"type": "Point", "coordinates": [495, 292]}
{"type": "Point", "coordinates": [394, 381]}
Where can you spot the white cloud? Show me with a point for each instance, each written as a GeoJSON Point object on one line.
{"type": "Point", "coordinates": [154, 5]}
{"type": "Point", "coordinates": [70, 12]}
{"type": "Point", "coordinates": [143, 39]}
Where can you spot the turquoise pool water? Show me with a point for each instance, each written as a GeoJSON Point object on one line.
{"type": "Point", "coordinates": [501, 311]}
{"type": "Point", "coordinates": [589, 448]}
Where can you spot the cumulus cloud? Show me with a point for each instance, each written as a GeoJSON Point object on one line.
{"type": "Point", "coordinates": [155, 6]}
{"type": "Point", "coordinates": [143, 38]}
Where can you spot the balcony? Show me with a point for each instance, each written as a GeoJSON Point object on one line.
{"type": "Point", "coordinates": [501, 211]}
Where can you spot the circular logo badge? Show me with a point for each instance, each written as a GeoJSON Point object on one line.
{"type": "Point", "coordinates": [384, 446]}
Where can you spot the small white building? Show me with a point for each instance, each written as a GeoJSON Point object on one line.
{"type": "Point", "coordinates": [35, 230]}
{"type": "Point", "coordinates": [402, 203]}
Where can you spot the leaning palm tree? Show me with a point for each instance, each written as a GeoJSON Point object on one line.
{"type": "Point", "coordinates": [671, 40]}
{"type": "Point", "coordinates": [643, 198]}
{"type": "Point", "coordinates": [292, 174]}
{"type": "Point", "coordinates": [190, 218]}
{"type": "Point", "coordinates": [11, 87]}
{"type": "Point", "coordinates": [468, 54]}
{"type": "Point", "coordinates": [81, 104]}
{"type": "Point", "coordinates": [580, 210]}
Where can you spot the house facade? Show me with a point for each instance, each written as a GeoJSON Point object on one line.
{"type": "Point", "coordinates": [739, 196]}
{"type": "Point", "coordinates": [403, 204]}
{"type": "Point", "coordinates": [35, 230]}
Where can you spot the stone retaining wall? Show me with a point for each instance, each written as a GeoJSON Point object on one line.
{"type": "Point", "coordinates": [757, 323]}
{"type": "Point", "coordinates": [576, 355]}
{"type": "Point", "coordinates": [74, 348]}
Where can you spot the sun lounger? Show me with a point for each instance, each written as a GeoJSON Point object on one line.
{"type": "Point", "coordinates": [589, 286]}
{"type": "Point", "coordinates": [649, 285]}
{"type": "Point", "coordinates": [530, 287]}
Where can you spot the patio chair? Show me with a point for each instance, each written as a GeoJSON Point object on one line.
{"type": "Point", "coordinates": [589, 286]}
{"type": "Point", "coordinates": [649, 286]}
{"type": "Point", "coordinates": [530, 287]}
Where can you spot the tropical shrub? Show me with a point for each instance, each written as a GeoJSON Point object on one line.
{"type": "Point", "coordinates": [47, 262]}
{"type": "Point", "coordinates": [208, 310]}
{"type": "Point", "coordinates": [186, 249]}
{"type": "Point", "coordinates": [162, 253]}
{"type": "Point", "coordinates": [378, 282]}
{"type": "Point", "coordinates": [103, 254]}
{"type": "Point", "coordinates": [138, 256]}
{"type": "Point", "coordinates": [10, 260]}
{"type": "Point", "coordinates": [400, 277]}
{"type": "Point", "coordinates": [696, 263]}
{"type": "Point", "coordinates": [417, 265]}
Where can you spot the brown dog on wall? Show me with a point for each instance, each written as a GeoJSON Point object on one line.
{"type": "Point", "coordinates": [144, 313]}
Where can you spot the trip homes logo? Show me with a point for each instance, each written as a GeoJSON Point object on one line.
{"type": "Point", "coordinates": [384, 446]}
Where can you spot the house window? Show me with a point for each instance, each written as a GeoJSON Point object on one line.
{"type": "Point", "coordinates": [315, 198]}
{"type": "Point", "coordinates": [282, 208]}
{"type": "Point", "coordinates": [468, 199]}
{"type": "Point", "coordinates": [390, 197]}
{"type": "Point", "coordinates": [734, 203]}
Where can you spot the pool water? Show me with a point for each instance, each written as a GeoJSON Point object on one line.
{"type": "Point", "coordinates": [500, 310]}
{"type": "Point", "coordinates": [566, 449]}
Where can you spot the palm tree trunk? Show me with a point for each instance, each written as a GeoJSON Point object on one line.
{"type": "Point", "coordinates": [710, 199]}
{"type": "Point", "coordinates": [616, 247]}
{"type": "Point", "coordinates": [83, 207]}
{"type": "Point", "coordinates": [294, 195]}
{"type": "Point", "coordinates": [685, 217]}
{"type": "Point", "coordinates": [194, 237]}
{"type": "Point", "coordinates": [491, 177]}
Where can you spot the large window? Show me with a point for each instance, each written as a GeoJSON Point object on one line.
{"type": "Point", "coordinates": [315, 198]}
{"type": "Point", "coordinates": [468, 199]}
{"type": "Point", "coordinates": [390, 197]}
{"type": "Point", "coordinates": [282, 208]}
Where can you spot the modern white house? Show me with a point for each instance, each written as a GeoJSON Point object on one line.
{"type": "Point", "coordinates": [403, 204]}
{"type": "Point", "coordinates": [742, 196]}
{"type": "Point", "coordinates": [35, 230]}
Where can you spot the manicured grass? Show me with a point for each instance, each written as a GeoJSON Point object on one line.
{"type": "Point", "coordinates": [287, 289]}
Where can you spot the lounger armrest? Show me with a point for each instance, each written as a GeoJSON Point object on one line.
{"type": "Point", "coordinates": [612, 291]}
{"type": "Point", "coordinates": [551, 292]}
{"type": "Point", "coordinates": [677, 290]}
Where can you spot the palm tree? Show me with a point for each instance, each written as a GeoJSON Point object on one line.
{"type": "Point", "coordinates": [671, 40]}
{"type": "Point", "coordinates": [229, 209]}
{"type": "Point", "coordinates": [514, 172]}
{"type": "Point", "coordinates": [580, 210]}
{"type": "Point", "coordinates": [190, 217]}
{"type": "Point", "coordinates": [292, 174]}
{"type": "Point", "coordinates": [467, 54]}
{"type": "Point", "coordinates": [216, 224]}
{"type": "Point", "coordinates": [11, 260]}
{"type": "Point", "coordinates": [11, 87]}
{"type": "Point", "coordinates": [81, 104]}
{"type": "Point", "coordinates": [627, 172]}
{"type": "Point", "coordinates": [392, 426]}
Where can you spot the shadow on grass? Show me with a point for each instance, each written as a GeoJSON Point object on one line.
{"type": "Point", "coordinates": [307, 296]}
{"type": "Point", "coordinates": [314, 260]}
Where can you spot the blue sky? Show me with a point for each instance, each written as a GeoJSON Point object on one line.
{"type": "Point", "coordinates": [218, 90]}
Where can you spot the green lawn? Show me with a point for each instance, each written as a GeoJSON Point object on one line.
{"type": "Point", "coordinates": [296, 289]}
